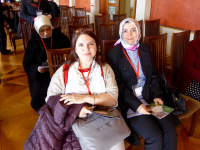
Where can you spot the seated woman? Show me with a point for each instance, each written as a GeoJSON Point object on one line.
{"type": "Point", "coordinates": [45, 38]}
{"type": "Point", "coordinates": [138, 86]}
{"type": "Point", "coordinates": [86, 84]}
{"type": "Point", "coordinates": [188, 79]}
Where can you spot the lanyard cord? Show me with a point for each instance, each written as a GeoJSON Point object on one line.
{"type": "Point", "coordinates": [45, 45]}
{"type": "Point", "coordinates": [36, 5]}
{"type": "Point", "coordinates": [86, 82]}
{"type": "Point", "coordinates": [136, 72]}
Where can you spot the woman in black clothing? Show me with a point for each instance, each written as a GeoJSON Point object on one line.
{"type": "Point", "coordinates": [138, 87]}
{"type": "Point", "coordinates": [45, 38]}
{"type": "Point", "coordinates": [29, 9]}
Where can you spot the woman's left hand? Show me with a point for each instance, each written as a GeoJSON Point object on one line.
{"type": "Point", "coordinates": [49, 16]}
{"type": "Point", "coordinates": [158, 101]}
{"type": "Point", "coordinates": [73, 99]}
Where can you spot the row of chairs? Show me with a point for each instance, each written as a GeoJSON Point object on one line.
{"type": "Point", "coordinates": [71, 12]}
{"type": "Point", "coordinates": [26, 29]}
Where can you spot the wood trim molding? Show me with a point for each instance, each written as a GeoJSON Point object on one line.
{"type": "Point", "coordinates": [134, 8]}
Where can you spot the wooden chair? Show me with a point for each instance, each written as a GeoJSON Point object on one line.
{"type": "Point", "coordinates": [80, 11]}
{"type": "Point", "coordinates": [127, 145]}
{"type": "Point", "coordinates": [62, 22]}
{"type": "Point", "coordinates": [178, 45]}
{"type": "Point", "coordinates": [56, 58]}
{"type": "Point", "coordinates": [73, 28]}
{"type": "Point", "coordinates": [68, 12]}
{"type": "Point", "coordinates": [61, 8]}
{"type": "Point", "coordinates": [152, 27]}
{"type": "Point", "coordinates": [196, 34]}
{"type": "Point", "coordinates": [108, 31]}
{"type": "Point", "coordinates": [158, 46]}
{"type": "Point", "coordinates": [119, 18]}
{"type": "Point", "coordinates": [107, 45]}
{"type": "Point", "coordinates": [141, 30]}
{"type": "Point", "coordinates": [25, 32]}
{"type": "Point", "coordinates": [100, 19]}
{"type": "Point", "coordinates": [194, 110]}
{"type": "Point", "coordinates": [82, 20]}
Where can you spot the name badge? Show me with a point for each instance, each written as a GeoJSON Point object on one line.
{"type": "Point", "coordinates": [38, 12]}
{"type": "Point", "coordinates": [138, 91]}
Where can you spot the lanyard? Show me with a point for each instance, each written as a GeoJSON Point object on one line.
{"type": "Point", "coordinates": [44, 44]}
{"type": "Point", "coordinates": [36, 5]}
{"type": "Point", "coordinates": [136, 72]}
{"type": "Point", "coordinates": [86, 82]}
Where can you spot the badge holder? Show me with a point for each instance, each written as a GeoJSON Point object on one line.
{"type": "Point", "coordinates": [137, 90]}
{"type": "Point", "coordinates": [39, 12]}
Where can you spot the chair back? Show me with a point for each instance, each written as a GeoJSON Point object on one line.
{"type": "Point", "coordinates": [152, 27]}
{"type": "Point", "coordinates": [82, 20]}
{"type": "Point", "coordinates": [25, 27]}
{"type": "Point", "coordinates": [158, 46]}
{"type": "Point", "coordinates": [141, 30]}
{"type": "Point", "coordinates": [178, 46]}
{"type": "Point", "coordinates": [62, 22]}
{"type": "Point", "coordinates": [100, 19]}
{"type": "Point", "coordinates": [108, 31]}
{"type": "Point", "coordinates": [119, 18]}
{"type": "Point", "coordinates": [196, 34]}
{"type": "Point", "coordinates": [60, 8]}
{"type": "Point", "coordinates": [56, 58]}
{"type": "Point", "coordinates": [107, 45]}
{"type": "Point", "coordinates": [73, 28]}
{"type": "Point", "coordinates": [68, 12]}
{"type": "Point", "coordinates": [80, 11]}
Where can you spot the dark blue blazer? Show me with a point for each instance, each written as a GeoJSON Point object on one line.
{"type": "Point", "coordinates": [126, 77]}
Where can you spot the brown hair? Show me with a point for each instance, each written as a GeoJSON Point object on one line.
{"type": "Point", "coordinates": [74, 56]}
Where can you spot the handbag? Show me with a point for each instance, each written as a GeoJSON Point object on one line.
{"type": "Point", "coordinates": [171, 96]}
{"type": "Point", "coordinates": [97, 132]}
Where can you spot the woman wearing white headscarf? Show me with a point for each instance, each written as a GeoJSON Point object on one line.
{"type": "Point", "coordinates": [138, 86]}
{"type": "Point", "coordinates": [44, 38]}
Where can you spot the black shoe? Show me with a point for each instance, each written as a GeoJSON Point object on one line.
{"type": "Point", "coordinates": [7, 52]}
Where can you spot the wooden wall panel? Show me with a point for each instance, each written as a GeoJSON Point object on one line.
{"type": "Point", "coordinates": [103, 9]}
{"type": "Point", "coordinates": [83, 3]}
{"type": "Point", "coordinates": [64, 2]}
{"type": "Point", "coordinates": [183, 14]}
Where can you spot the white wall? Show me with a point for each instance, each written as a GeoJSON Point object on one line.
{"type": "Point", "coordinates": [127, 8]}
{"type": "Point", "coordinates": [56, 1]}
{"type": "Point", "coordinates": [143, 11]}
{"type": "Point", "coordinates": [72, 3]}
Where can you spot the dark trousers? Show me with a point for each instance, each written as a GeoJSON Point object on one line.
{"type": "Point", "coordinates": [38, 90]}
{"type": "Point", "coordinates": [3, 41]}
{"type": "Point", "coordinates": [159, 134]}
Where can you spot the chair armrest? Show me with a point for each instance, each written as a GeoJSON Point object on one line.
{"type": "Point", "coordinates": [192, 105]}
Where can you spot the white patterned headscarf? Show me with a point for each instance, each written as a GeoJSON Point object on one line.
{"type": "Point", "coordinates": [127, 46]}
{"type": "Point", "coordinates": [41, 21]}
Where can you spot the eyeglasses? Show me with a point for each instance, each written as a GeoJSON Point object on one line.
{"type": "Point", "coordinates": [84, 29]}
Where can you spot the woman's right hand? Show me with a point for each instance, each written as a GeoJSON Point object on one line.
{"type": "Point", "coordinates": [41, 70]}
{"type": "Point", "coordinates": [143, 110]}
{"type": "Point", "coordinates": [84, 111]}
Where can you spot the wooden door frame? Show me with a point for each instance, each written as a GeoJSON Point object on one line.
{"type": "Point", "coordinates": [134, 8]}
